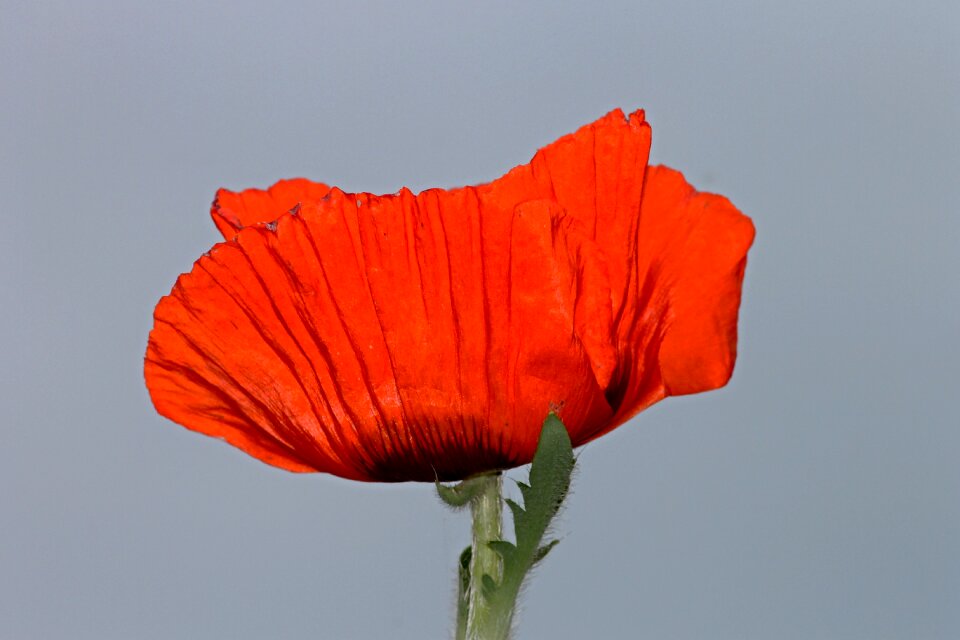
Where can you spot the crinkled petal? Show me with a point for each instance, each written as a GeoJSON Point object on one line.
{"type": "Point", "coordinates": [681, 335]}
{"type": "Point", "coordinates": [234, 210]}
{"type": "Point", "coordinates": [412, 337]}
{"type": "Point", "coordinates": [675, 257]}
{"type": "Point", "coordinates": [596, 176]}
{"type": "Point", "coordinates": [390, 338]}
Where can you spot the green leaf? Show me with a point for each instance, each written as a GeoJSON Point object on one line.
{"type": "Point", "coordinates": [515, 509]}
{"type": "Point", "coordinates": [504, 548]}
{"type": "Point", "coordinates": [548, 486]}
{"type": "Point", "coordinates": [463, 593]}
{"type": "Point", "coordinates": [489, 586]}
{"type": "Point", "coordinates": [544, 550]}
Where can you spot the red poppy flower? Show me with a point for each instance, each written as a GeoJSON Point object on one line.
{"type": "Point", "coordinates": [416, 336]}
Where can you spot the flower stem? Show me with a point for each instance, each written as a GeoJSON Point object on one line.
{"type": "Point", "coordinates": [485, 621]}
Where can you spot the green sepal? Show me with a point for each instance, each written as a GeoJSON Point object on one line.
{"type": "Point", "coordinates": [459, 495]}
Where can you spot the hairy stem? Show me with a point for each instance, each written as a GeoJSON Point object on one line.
{"type": "Point", "coordinates": [485, 621]}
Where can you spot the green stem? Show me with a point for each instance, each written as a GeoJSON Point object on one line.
{"type": "Point", "coordinates": [485, 621]}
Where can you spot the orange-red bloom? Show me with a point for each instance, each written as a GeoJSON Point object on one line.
{"type": "Point", "coordinates": [415, 336]}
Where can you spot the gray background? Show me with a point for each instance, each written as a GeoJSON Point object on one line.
{"type": "Point", "coordinates": [818, 496]}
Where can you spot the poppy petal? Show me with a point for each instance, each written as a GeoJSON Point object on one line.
{"type": "Point", "coordinates": [596, 176]}
{"type": "Point", "coordinates": [681, 335]}
{"type": "Point", "coordinates": [231, 211]}
{"type": "Point", "coordinates": [411, 337]}
{"type": "Point", "coordinates": [390, 338]}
